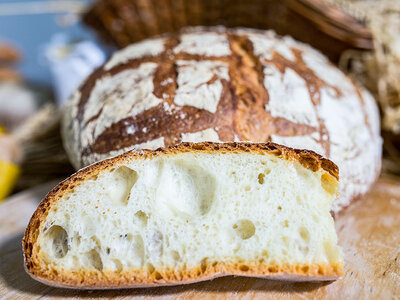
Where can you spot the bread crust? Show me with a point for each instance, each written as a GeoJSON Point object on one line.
{"type": "Point", "coordinates": [142, 278]}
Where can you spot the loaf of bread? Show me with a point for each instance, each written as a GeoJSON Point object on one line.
{"type": "Point", "coordinates": [219, 85]}
{"type": "Point", "coordinates": [187, 213]}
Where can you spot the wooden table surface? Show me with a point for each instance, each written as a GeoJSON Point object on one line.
{"type": "Point", "coordinates": [369, 233]}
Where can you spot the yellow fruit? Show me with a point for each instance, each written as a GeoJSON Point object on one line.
{"type": "Point", "coordinates": [8, 176]}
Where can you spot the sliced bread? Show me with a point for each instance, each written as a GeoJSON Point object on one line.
{"type": "Point", "coordinates": [188, 213]}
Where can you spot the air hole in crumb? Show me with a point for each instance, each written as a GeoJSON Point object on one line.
{"type": "Point", "coordinates": [247, 188]}
{"type": "Point", "coordinates": [155, 243]}
{"type": "Point", "coordinates": [95, 259]}
{"type": "Point", "coordinates": [175, 255]}
{"type": "Point", "coordinates": [267, 171]}
{"type": "Point", "coordinates": [285, 240]}
{"type": "Point", "coordinates": [150, 268]}
{"type": "Point", "coordinates": [305, 250]}
{"type": "Point", "coordinates": [118, 265]}
{"type": "Point", "coordinates": [286, 223]}
{"type": "Point", "coordinates": [96, 240]}
{"type": "Point", "coordinates": [141, 217]}
{"type": "Point", "coordinates": [329, 183]}
{"type": "Point", "coordinates": [244, 268]}
{"type": "Point", "coordinates": [59, 238]}
{"type": "Point", "coordinates": [120, 187]}
{"type": "Point", "coordinates": [280, 207]}
{"type": "Point", "coordinates": [261, 178]}
{"type": "Point", "coordinates": [203, 265]}
{"type": "Point", "coordinates": [265, 253]}
{"type": "Point", "coordinates": [244, 228]}
{"type": "Point", "coordinates": [157, 276]}
{"type": "Point", "coordinates": [305, 234]}
{"type": "Point", "coordinates": [185, 189]}
{"type": "Point", "coordinates": [135, 245]}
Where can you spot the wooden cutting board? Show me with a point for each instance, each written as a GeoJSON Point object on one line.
{"type": "Point", "coordinates": [369, 233]}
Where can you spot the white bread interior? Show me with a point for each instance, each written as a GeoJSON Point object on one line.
{"type": "Point", "coordinates": [150, 215]}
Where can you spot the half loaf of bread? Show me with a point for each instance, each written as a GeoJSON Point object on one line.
{"type": "Point", "coordinates": [188, 213]}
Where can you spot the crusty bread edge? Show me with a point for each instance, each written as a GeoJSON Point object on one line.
{"type": "Point", "coordinates": [307, 158]}
{"type": "Point", "coordinates": [118, 284]}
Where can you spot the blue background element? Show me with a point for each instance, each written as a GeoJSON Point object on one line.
{"type": "Point", "coordinates": [31, 33]}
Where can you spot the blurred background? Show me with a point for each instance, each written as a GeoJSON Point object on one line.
{"type": "Point", "coordinates": [48, 47]}
{"type": "Point", "coordinates": [45, 51]}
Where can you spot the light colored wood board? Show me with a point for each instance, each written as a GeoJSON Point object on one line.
{"type": "Point", "coordinates": [369, 233]}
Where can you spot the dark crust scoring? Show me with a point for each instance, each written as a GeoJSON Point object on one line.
{"type": "Point", "coordinates": [306, 158]}
{"type": "Point", "coordinates": [241, 109]}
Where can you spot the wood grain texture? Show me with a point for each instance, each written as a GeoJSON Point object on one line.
{"type": "Point", "coordinates": [369, 233]}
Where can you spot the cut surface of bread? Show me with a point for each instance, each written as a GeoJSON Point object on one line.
{"type": "Point", "coordinates": [188, 213]}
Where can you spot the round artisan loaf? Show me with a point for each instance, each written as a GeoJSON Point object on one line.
{"type": "Point", "coordinates": [217, 84]}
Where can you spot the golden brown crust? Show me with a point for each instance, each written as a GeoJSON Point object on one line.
{"type": "Point", "coordinates": [142, 278]}
{"type": "Point", "coordinates": [306, 158]}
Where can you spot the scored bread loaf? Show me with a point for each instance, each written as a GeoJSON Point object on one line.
{"type": "Point", "coordinates": [221, 85]}
{"type": "Point", "coordinates": [187, 213]}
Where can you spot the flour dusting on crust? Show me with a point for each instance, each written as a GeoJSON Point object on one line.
{"type": "Point", "coordinates": [208, 134]}
{"type": "Point", "coordinates": [194, 83]}
{"type": "Point", "coordinates": [125, 94]}
{"type": "Point", "coordinates": [147, 47]}
{"type": "Point", "coordinates": [204, 43]}
{"type": "Point", "coordinates": [218, 84]}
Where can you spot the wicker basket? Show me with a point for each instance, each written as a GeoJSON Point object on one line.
{"type": "Point", "coordinates": [313, 21]}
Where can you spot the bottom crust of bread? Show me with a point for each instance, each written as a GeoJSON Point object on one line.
{"type": "Point", "coordinates": [89, 279]}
